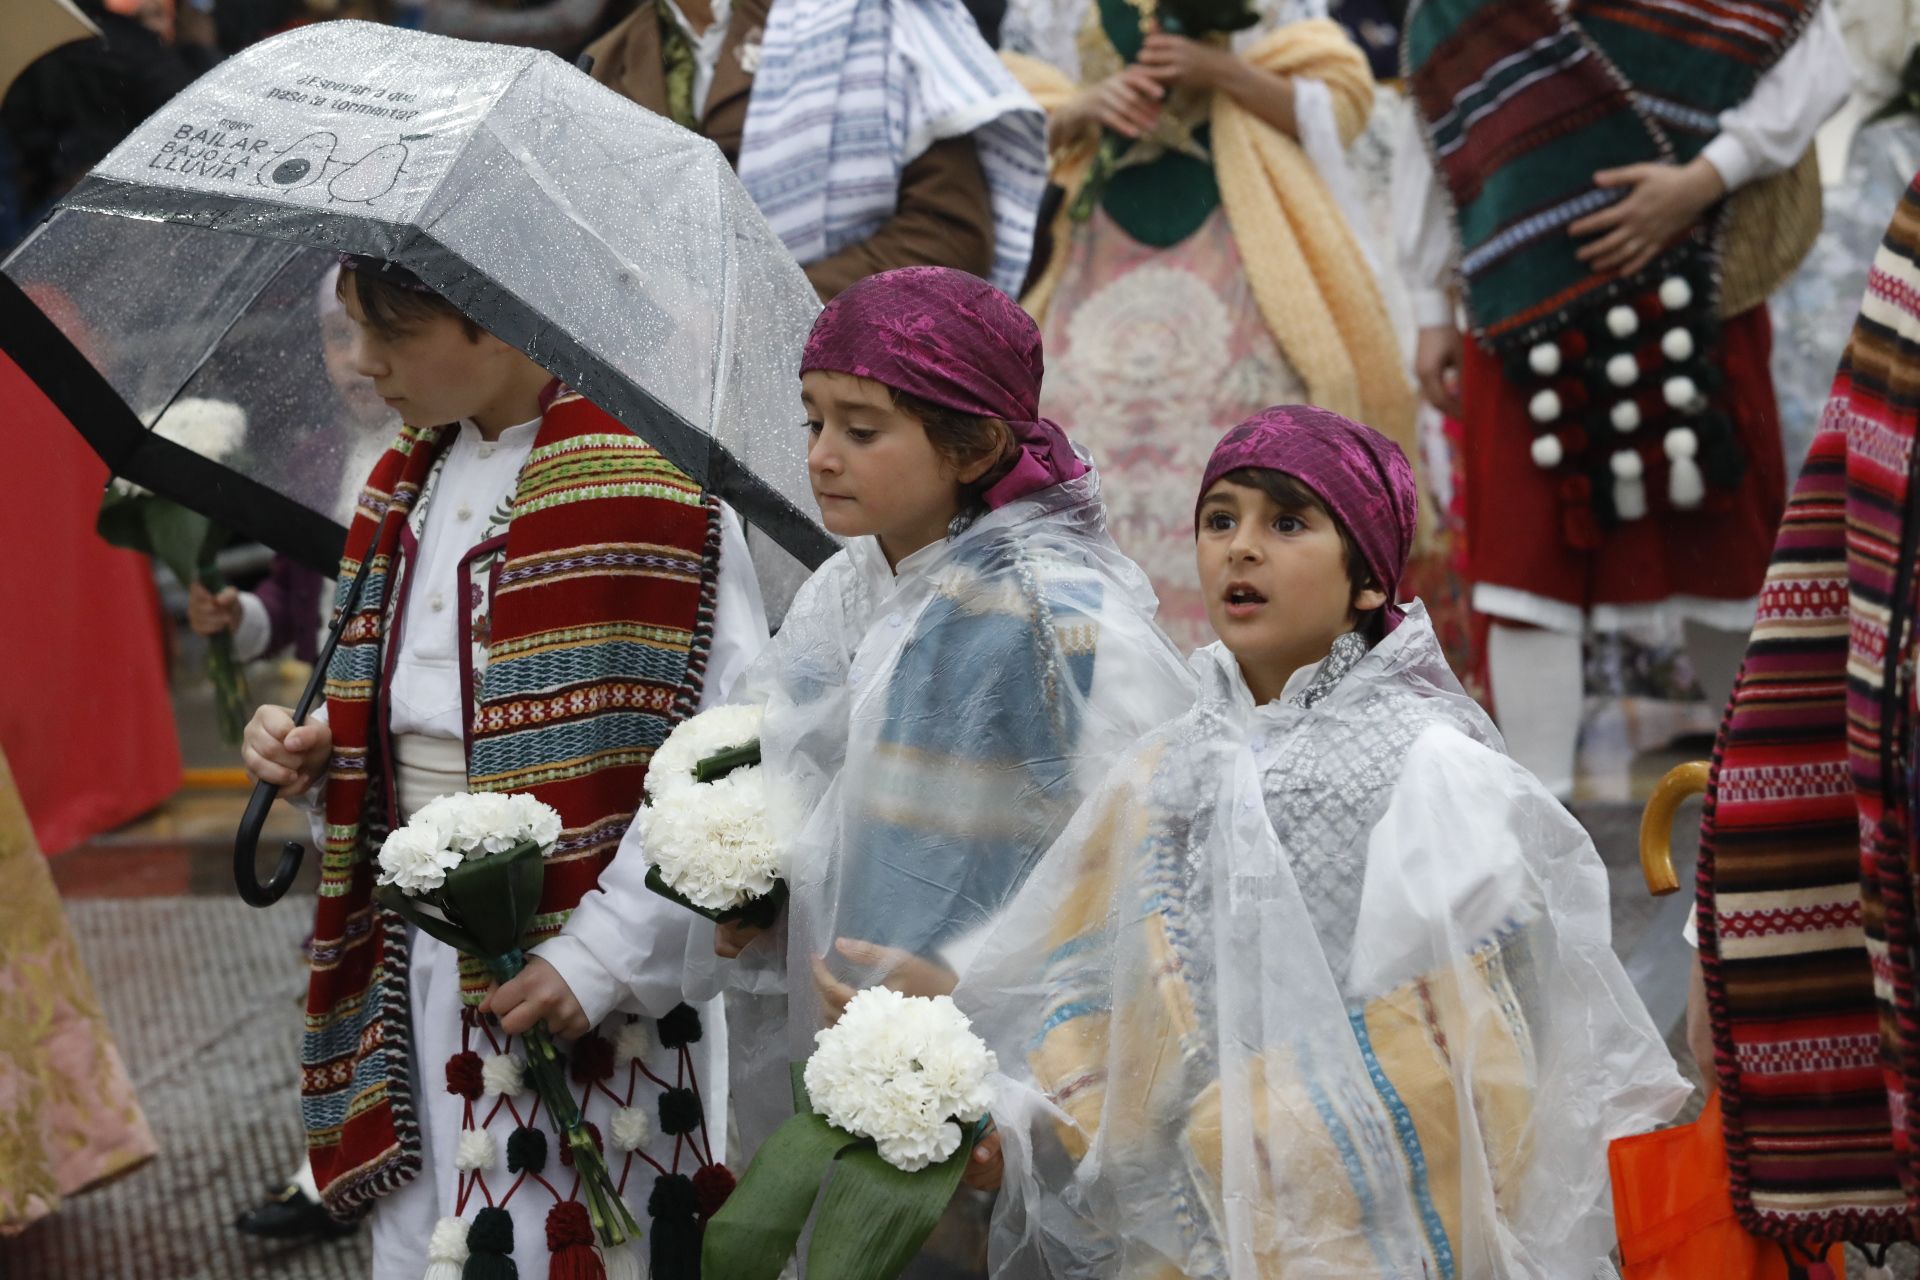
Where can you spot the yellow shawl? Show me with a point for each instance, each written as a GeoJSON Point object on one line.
{"type": "Point", "coordinates": [1308, 274]}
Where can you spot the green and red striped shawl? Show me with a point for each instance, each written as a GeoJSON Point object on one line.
{"type": "Point", "coordinates": [602, 612]}
{"type": "Point", "coordinates": [1522, 104]}
{"type": "Point", "coordinates": [1806, 882]}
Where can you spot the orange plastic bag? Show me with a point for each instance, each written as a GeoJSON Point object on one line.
{"type": "Point", "coordinates": [1674, 1211]}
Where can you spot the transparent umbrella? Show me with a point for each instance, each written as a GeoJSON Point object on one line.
{"type": "Point", "coordinates": [614, 248]}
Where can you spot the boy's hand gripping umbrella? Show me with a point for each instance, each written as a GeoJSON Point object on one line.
{"type": "Point", "coordinates": [612, 247]}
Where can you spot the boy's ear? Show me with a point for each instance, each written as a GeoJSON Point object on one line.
{"type": "Point", "coordinates": [986, 462]}
{"type": "Point", "coordinates": [1366, 601]}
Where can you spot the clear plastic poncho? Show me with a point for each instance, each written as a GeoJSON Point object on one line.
{"type": "Point", "coordinates": [1321, 988]}
{"type": "Point", "coordinates": [930, 733]}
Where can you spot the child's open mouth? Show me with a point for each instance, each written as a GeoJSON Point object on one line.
{"type": "Point", "coordinates": [1243, 601]}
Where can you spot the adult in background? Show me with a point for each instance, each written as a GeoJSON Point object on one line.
{"type": "Point", "coordinates": [1628, 183]}
{"type": "Point", "coordinates": [1213, 269]}
{"type": "Point", "coordinates": [931, 154]}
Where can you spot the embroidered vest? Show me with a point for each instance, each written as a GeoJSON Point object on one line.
{"type": "Point", "coordinates": [595, 646]}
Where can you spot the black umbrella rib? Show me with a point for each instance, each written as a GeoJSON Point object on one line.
{"type": "Point", "coordinates": [89, 402]}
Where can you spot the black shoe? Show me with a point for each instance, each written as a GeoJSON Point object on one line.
{"type": "Point", "coordinates": [289, 1215]}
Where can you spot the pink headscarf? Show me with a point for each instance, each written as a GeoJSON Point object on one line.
{"type": "Point", "coordinates": [1359, 475]}
{"type": "Point", "coordinates": [953, 340]}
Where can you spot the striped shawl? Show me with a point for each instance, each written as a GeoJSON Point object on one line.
{"type": "Point", "coordinates": [1522, 104]}
{"type": "Point", "coordinates": [1806, 882]}
{"type": "Point", "coordinates": [849, 92]}
{"type": "Point", "coordinates": [601, 620]}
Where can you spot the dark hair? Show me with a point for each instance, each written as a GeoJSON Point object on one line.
{"type": "Point", "coordinates": [1289, 494]}
{"type": "Point", "coordinates": [962, 439]}
{"type": "Point", "coordinates": [394, 301]}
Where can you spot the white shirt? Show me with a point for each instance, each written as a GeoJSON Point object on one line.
{"type": "Point", "coordinates": [1765, 135]}
{"type": "Point", "coordinates": [608, 955]}
{"type": "Point", "coordinates": [706, 48]}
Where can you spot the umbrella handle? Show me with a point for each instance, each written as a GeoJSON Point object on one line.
{"type": "Point", "coordinates": [246, 844]}
{"type": "Point", "coordinates": [246, 841]}
{"type": "Point", "coordinates": [1656, 825]}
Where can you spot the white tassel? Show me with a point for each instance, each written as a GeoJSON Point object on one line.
{"type": "Point", "coordinates": [1677, 345]}
{"type": "Point", "coordinates": [1682, 393]}
{"type": "Point", "coordinates": [622, 1262]}
{"type": "Point", "coordinates": [447, 1252]}
{"type": "Point", "coordinates": [1544, 359]}
{"type": "Point", "coordinates": [1675, 293]}
{"type": "Point", "coordinates": [1544, 407]}
{"type": "Point", "coordinates": [1622, 322]}
{"type": "Point", "coordinates": [1623, 370]}
{"type": "Point", "coordinates": [1629, 491]}
{"type": "Point", "coordinates": [1548, 452]}
{"type": "Point", "coordinates": [1686, 489]}
{"type": "Point", "coordinates": [1625, 417]}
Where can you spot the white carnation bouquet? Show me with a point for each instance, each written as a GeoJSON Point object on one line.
{"type": "Point", "coordinates": [188, 543]}
{"type": "Point", "coordinates": [705, 823]}
{"type": "Point", "coordinates": [893, 1097]}
{"type": "Point", "coordinates": [468, 869]}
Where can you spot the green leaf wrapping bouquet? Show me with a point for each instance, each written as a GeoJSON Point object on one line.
{"type": "Point", "coordinates": [890, 1103]}
{"type": "Point", "coordinates": [185, 541]}
{"type": "Point", "coordinates": [706, 826]}
{"type": "Point", "coordinates": [468, 869]}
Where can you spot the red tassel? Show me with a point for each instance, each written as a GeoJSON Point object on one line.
{"type": "Point", "coordinates": [571, 1255]}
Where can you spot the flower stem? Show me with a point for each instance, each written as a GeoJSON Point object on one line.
{"type": "Point", "coordinates": [612, 1220]}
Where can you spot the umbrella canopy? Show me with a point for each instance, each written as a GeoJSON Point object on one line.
{"type": "Point", "coordinates": [34, 28]}
{"type": "Point", "coordinates": [614, 248]}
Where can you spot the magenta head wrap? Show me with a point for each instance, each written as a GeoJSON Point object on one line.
{"type": "Point", "coordinates": [956, 341]}
{"type": "Point", "coordinates": [1359, 475]}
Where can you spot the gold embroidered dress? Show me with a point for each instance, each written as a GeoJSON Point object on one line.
{"type": "Point", "coordinates": [68, 1117]}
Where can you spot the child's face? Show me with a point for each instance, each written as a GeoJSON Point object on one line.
{"type": "Point", "coordinates": [433, 373]}
{"type": "Point", "coordinates": [1275, 582]}
{"type": "Point", "coordinates": [873, 469]}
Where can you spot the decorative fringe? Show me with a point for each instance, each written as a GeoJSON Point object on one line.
{"type": "Point", "coordinates": [490, 1247]}
{"type": "Point", "coordinates": [1629, 490]}
{"type": "Point", "coordinates": [447, 1252]}
{"type": "Point", "coordinates": [680, 1028]}
{"type": "Point", "coordinates": [712, 1184]}
{"type": "Point", "coordinates": [570, 1251]}
{"type": "Point", "coordinates": [675, 1252]}
{"type": "Point", "coordinates": [1686, 487]}
{"type": "Point", "coordinates": [622, 1262]}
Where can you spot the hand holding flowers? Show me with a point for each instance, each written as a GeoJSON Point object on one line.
{"type": "Point", "coordinates": [467, 869]}
{"type": "Point", "coordinates": [892, 1099]}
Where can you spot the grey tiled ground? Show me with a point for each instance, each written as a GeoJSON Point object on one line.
{"type": "Point", "coordinates": [203, 995]}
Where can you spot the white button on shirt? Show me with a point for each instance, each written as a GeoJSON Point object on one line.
{"type": "Point", "coordinates": [478, 476]}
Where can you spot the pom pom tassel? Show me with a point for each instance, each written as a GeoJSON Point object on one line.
{"type": "Point", "coordinates": [448, 1251]}
{"type": "Point", "coordinates": [490, 1247]}
{"type": "Point", "coordinates": [1686, 488]}
{"type": "Point", "coordinates": [675, 1240]}
{"type": "Point", "coordinates": [622, 1263]}
{"type": "Point", "coordinates": [1629, 488]}
{"type": "Point", "coordinates": [570, 1251]}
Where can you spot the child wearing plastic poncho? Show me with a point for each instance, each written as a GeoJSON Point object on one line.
{"type": "Point", "coordinates": [1319, 984]}
{"type": "Point", "coordinates": [946, 689]}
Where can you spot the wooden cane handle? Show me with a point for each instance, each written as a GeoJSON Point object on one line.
{"type": "Point", "coordinates": [1656, 825]}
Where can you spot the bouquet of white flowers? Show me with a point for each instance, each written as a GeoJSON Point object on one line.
{"type": "Point", "coordinates": [186, 541]}
{"type": "Point", "coordinates": [705, 823]}
{"type": "Point", "coordinates": [468, 870]}
{"type": "Point", "coordinates": [895, 1094]}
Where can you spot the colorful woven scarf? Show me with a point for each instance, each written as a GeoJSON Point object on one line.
{"type": "Point", "coordinates": [1521, 106]}
{"type": "Point", "coordinates": [602, 618]}
{"type": "Point", "coordinates": [1807, 858]}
